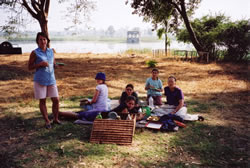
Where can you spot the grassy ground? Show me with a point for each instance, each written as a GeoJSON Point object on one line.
{"type": "Point", "coordinates": [219, 92]}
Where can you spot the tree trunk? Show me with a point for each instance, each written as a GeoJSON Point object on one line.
{"type": "Point", "coordinates": [166, 40]}
{"type": "Point", "coordinates": [166, 44]}
{"type": "Point", "coordinates": [192, 35]}
{"type": "Point", "coordinates": [40, 11]}
{"type": "Point", "coordinates": [44, 28]}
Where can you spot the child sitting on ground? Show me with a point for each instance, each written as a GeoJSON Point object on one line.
{"type": "Point", "coordinates": [154, 87]}
{"type": "Point", "coordinates": [98, 103]}
{"type": "Point", "coordinates": [128, 108]}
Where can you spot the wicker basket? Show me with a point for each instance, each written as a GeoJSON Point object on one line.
{"type": "Point", "coordinates": [113, 131]}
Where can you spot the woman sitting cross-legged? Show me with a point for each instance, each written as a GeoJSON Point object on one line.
{"type": "Point", "coordinates": [175, 102]}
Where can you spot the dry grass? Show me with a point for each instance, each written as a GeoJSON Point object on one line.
{"type": "Point", "coordinates": [219, 91]}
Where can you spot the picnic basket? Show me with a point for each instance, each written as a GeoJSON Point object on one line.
{"type": "Point", "coordinates": [113, 131]}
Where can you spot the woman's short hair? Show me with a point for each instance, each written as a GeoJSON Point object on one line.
{"type": "Point", "coordinates": [42, 34]}
{"type": "Point", "coordinates": [173, 77]}
{"type": "Point", "coordinates": [130, 85]}
{"type": "Point", "coordinates": [155, 70]}
{"type": "Point", "coordinates": [129, 98]}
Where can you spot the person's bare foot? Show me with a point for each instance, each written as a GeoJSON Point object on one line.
{"type": "Point", "coordinates": [57, 122]}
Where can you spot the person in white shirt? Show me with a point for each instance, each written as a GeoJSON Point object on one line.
{"type": "Point", "coordinates": [98, 103]}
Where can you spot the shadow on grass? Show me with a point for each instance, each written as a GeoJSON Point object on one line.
{"type": "Point", "coordinates": [26, 138]}
{"type": "Point", "coordinates": [8, 72]}
{"type": "Point", "coordinates": [216, 146]}
{"type": "Point", "coordinates": [24, 141]}
{"type": "Point", "coordinates": [238, 70]}
{"type": "Point", "coordinates": [203, 145]}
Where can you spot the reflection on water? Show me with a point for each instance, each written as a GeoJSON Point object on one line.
{"type": "Point", "coordinates": [100, 47]}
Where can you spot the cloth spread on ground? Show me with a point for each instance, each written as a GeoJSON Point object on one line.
{"type": "Point", "coordinates": [167, 109]}
{"type": "Point", "coordinates": [163, 110]}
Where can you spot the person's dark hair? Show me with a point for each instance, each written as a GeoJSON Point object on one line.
{"type": "Point", "coordinates": [129, 98]}
{"type": "Point", "coordinates": [172, 77]}
{"type": "Point", "coordinates": [42, 34]}
{"type": "Point", "coordinates": [155, 70]}
{"type": "Point", "coordinates": [130, 85]}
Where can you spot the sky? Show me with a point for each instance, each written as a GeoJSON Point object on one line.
{"type": "Point", "coordinates": [116, 13]}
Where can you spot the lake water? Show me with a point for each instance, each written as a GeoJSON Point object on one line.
{"type": "Point", "coordinates": [99, 47]}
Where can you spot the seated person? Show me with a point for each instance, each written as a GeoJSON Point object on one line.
{"type": "Point", "coordinates": [175, 100]}
{"type": "Point", "coordinates": [154, 87]}
{"type": "Point", "coordinates": [98, 103]}
{"type": "Point", "coordinates": [128, 108]}
{"type": "Point", "coordinates": [129, 91]}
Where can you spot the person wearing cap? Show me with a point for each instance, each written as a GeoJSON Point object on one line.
{"type": "Point", "coordinates": [98, 103]}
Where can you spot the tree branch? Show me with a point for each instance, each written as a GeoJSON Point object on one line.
{"type": "Point", "coordinates": [33, 14]}
{"type": "Point", "coordinates": [175, 5]}
{"type": "Point", "coordinates": [34, 5]}
{"type": "Point", "coordinates": [42, 5]}
{"type": "Point", "coordinates": [47, 7]}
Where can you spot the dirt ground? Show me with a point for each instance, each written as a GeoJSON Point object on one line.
{"type": "Point", "coordinates": [226, 84]}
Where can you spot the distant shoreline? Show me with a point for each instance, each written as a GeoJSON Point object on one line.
{"type": "Point", "coordinates": [89, 39]}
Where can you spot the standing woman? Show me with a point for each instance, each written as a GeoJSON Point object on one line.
{"type": "Point", "coordinates": [43, 61]}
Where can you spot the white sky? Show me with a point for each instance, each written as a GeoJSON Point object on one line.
{"type": "Point", "coordinates": [116, 13]}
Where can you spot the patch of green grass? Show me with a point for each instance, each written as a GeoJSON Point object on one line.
{"type": "Point", "coordinates": [68, 144]}
{"type": "Point", "coordinates": [197, 107]}
{"type": "Point", "coordinates": [202, 141]}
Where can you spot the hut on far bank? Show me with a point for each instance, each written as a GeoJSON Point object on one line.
{"type": "Point", "coordinates": [133, 37]}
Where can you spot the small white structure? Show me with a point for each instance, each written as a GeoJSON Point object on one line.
{"type": "Point", "coordinates": [133, 37]}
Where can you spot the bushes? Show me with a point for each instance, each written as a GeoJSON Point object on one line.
{"type": "Point", "coordinates": [151, 63]}
{"type": "Point", "coordinates": [218, 35]}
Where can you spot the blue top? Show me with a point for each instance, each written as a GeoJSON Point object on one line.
{"type": "Point", "coordinates": [157, 84]}
{"type": "Point", "coordinates": [173, 97]}
{"type": "Point", "coordinates": [45, 75]}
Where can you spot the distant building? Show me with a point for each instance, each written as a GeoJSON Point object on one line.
{"type": "Point", "coordinates": [133, 37]}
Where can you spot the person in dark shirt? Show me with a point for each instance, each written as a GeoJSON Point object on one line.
{"type": "Point", "coordinates": [174, 95]}
{"type": "Point", "coordinates": [129, 91]}
{"type": "Point", "coordinates": [175, 99]}
{"type": "Point", "coordinates": [126, 108]}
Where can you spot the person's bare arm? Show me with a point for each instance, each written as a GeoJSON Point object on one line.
{"type": "Point", "coordinates": [181, 104]}
{"type": "Point", "coordinates": [95, 97]}
{"type": "Point", "coordinates": [31, 63]}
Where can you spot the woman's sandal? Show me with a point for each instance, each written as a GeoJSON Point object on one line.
{"type": "Point", "coordinates": [48, 126]}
